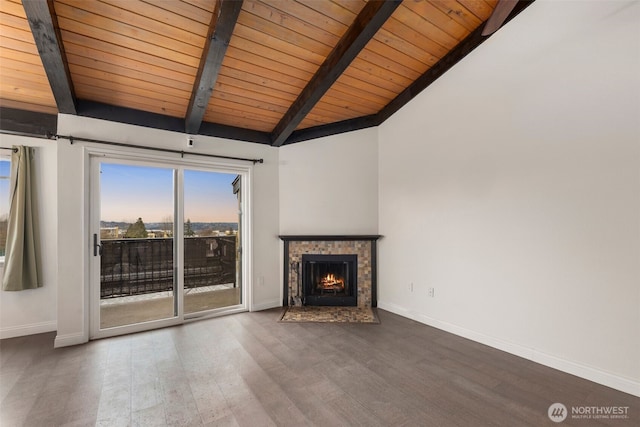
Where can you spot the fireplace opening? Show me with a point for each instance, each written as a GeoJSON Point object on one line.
{"type": "Point", "coordinates": [330, 279]}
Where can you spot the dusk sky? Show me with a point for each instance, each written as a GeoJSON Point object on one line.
{"type": "Point", "coordinates": [4, 186]}
{"type": "Point", "coordinates": [130, 192]}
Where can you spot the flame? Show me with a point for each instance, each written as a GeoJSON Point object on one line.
{"type": "Point", "coordinates": [330, 281]}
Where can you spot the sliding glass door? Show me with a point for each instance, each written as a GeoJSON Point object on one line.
{"type": "Point", "coordinates": [135, 245]}
{"type": "Point", "coordinates": [165, 244]}
{"type": "Point", "coordinates": [210, 241]}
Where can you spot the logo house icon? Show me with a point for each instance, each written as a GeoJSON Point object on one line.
{"type": "Point", "coordinates": [557, 412]}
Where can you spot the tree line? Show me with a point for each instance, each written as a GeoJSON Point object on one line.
{"type": "Point", "coordinates": [138, 230]}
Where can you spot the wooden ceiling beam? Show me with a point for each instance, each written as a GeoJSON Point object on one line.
{"type": "Point", "coordinates": [235, 133]}
{"type": "Point", "coordinates": [366, 25]}
{"type": "Point", "coordinates": [131, 116]}
{"type": "Point", "coordinates": [28, 123]}
{"type": "Point", "coordinates": [465, 47]}
{"type": "Point", "coordinates": [343, 126]}
{"type": "Point", "coordinates": [221, 28]}
{"type": "Point", "coordinates": [499, 15]}
{"type": "Point", "coordinates": [44, 27]}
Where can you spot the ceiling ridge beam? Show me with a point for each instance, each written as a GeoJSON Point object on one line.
{"type": "Point", "coordinates": [46, 33]}
{"type": "Point", "coordinates": [374, 14]}
{"type": "Point", "coordinates": [223, 21]}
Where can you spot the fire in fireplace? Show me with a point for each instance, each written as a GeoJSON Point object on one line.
{"type": "Point", "coordinates": [329, 279]}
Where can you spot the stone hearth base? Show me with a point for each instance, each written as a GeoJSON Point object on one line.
{"type": "Point", "coordinates": [329, 315]}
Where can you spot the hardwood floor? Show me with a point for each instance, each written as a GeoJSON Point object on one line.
{"type": "Point", "coordinates": [249, 370]}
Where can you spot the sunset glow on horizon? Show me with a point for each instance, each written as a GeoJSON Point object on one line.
{"type": "Point", "coordinates": [131, 192]}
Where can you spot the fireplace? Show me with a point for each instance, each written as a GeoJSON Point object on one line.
{"type": "Point", "coordinates": [361, 276]}
{"type": "Point", "coordinates": [330, 279]}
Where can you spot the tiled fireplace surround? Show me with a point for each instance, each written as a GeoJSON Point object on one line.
{"type": "Point", "coordinates": [364, 246]}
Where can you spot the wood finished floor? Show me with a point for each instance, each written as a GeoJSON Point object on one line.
{"type": "Point", "coordinates": [249, 370]}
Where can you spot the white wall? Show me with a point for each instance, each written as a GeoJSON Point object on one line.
{"type": "Point", "coordinates": [511, 186]}
{"type": "Point", "coordinates": [34, 311]}
{"type": "Point", "coordinates": [330, 185]}
{"type": "Point", "coordinates": [73, 213]}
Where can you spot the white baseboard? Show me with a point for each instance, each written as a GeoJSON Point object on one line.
{"type": "Point", "coordinates": [267, 305]}
{"type": "Point", "coordinates": [22, 330]}
{"type": "Point", "coordinates": [590, 373]}
{"type": "Point", "coordinates": [70, 339]}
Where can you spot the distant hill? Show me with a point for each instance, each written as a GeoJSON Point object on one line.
{"type": "Point", "coordinates": [195, 226]}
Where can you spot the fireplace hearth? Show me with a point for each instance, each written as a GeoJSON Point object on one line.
{"type": "Point", "coordinates": [330, 279]}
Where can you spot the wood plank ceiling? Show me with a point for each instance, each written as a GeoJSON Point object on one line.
{"type": "Point", "coordinates": [269, 71]}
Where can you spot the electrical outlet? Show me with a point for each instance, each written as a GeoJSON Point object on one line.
{"type": "Point", "coordinates": [432, 292]}
{"type": "Point", "coordinates": [411, 287]}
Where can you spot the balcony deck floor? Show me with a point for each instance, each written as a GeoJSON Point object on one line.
{"type": "Point", "coordinates": [115, 313]}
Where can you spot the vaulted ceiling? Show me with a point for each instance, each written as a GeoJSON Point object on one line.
{"type": "Point", "coordinates": [267, 71]}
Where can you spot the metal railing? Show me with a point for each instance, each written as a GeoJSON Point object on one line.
{"type": "Point", "coordinates": [139, 266]}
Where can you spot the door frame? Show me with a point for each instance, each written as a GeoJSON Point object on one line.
{"type": "Point", "coordinates": [93, 157]}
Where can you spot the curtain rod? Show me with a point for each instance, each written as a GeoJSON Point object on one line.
{"type": "Point", "coordinates": [119, 144]}
{"type": "Point", "coordinates": [15, 150]}
{"type": "Point", "coordinates": [164, 150]}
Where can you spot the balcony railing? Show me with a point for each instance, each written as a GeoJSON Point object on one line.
{"type": "Point", "coordinates": [139, 266]}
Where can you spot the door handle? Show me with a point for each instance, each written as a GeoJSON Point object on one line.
{"type": "Point", "coordinates": [97, 247]}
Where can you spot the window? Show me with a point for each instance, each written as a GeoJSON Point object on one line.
{"type": "Point", "coordinates": [5, 168]}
